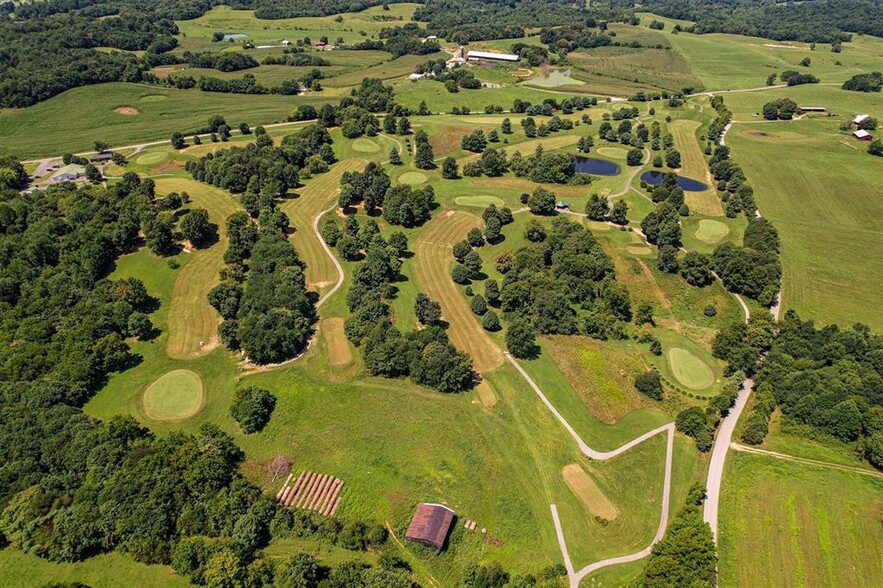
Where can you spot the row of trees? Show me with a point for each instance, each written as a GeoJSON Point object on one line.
{"type": "Point", "coordinates": [426, 355]}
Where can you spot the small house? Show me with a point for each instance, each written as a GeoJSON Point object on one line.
{"type": "Point", "coordinates": [286, 42]}
{"type": "Point", "coordinates": [860, 119]}
{"type": "Point", "coordinates": [431, 38]}
{"type": "Point", "coordinates": [416, 76]}
{"type": "Point", "coordinates": [319, 44]}
{"type": "Point", "coordinates": [430, 525]}
{"type": "Point", "coordinates": [65, 177]}
{"type": "Point", "coordinates": [862, 135]}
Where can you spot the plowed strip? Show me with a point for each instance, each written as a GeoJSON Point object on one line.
{"type": "Point", "coordinates": [433, 262]}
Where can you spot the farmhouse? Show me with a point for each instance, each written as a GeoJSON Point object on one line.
{"type": "Point", "coordinates": [860, 119]}
{"type": "Point", "coordinates": [430, 525]}
{"type": "Point", "coordinates": [476, 55]}
{"type": "Point", "coordinates": [862, 135]}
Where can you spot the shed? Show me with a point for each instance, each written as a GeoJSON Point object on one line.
{"type": "Point", "coordinates": [286, 42]}
{"type": "Point", "coordinates": [101, 157]}
{"type": "Point", "coordinates": [430, 525]}
{"type": "Point", "coordinates": [860, 119]}
{"type": "Point", "coordinates": [812, 109]}
{"type": "Point", "coordinates": [474, 55]}
{"type": "Point", "coordinates": [862, 135]}
{"type": "Point", "coordinates": [562, 205]}
{"type": "Point", "coordinates": [416, 76]}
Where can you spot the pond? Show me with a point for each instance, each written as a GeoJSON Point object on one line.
{"type": "Point", "coordinates": [654, 178]}
{"type": "Point", "coordinates": [598, 167]}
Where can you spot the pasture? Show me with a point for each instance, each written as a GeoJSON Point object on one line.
{"type": "Point", "coordinates": [787, 524]}
{"type": "Point", "coordinates": [831, 223]}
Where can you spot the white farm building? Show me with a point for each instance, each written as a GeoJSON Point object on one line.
{"type": "Point", "coordinates": [476, 55]}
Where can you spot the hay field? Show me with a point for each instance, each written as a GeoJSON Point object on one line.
{"type": "Point", "coordinates": [787, 524]}
{"type": "Point", "coordinates": [588, 492]}
{"type": "Point", "coordinates": [831, 223]}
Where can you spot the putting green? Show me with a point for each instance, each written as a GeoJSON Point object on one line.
{"type": "Point", "coordinates": [363, 145]}
{"type": "Point", "coordinates": [173, 396]}
{"type": "Point", "coordinates": [711, 231]}
{"type": "Point", "coordinates": [412, 178]}
{"type": "Point", "coordinates": [479, 201]}
{"type": "Point", "coordinates": [152, 158]}
{"type": "Point", "coordinates": [690, 371]}
{"type": "Point", "coordinates": [614, 152]}
{"type": "Point", "coordinates": [153, 98]}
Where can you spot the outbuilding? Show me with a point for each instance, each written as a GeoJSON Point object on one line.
{"type": "Point", "coordinates": [477, 55]}
{"type": "Point", "coordinates": [430, 525]}
{"type": "Point", "coordinates": [860, 119]}
{"type": "Point", "coordinates": [102, 157]}
{"type": "Point", "coordinates": [862, 135]}
{"type": "Point", "coordinates": [286, 42]}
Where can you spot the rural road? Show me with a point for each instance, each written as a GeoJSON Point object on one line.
{"type": "Point", "coordinates": [575, 576]}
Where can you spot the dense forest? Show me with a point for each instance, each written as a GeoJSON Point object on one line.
{"type": "Point", "coordinates": [822, 21]}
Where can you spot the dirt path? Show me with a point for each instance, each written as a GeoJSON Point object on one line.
{"type": "Point", "coordinates": [433, 256]}
{"type": "Point", "coordinates": [192, 322]}
{"type": "Point", "coordinates": [805, 460]}
{"type": "Point", "coordinates": [575, 576]}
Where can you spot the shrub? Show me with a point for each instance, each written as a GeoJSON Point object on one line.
{"type": "Point", "coordinates": [478, 305]}
{"type": "Point", "coordinates": [649, 384]}
{"type": "Point", "coordinates": [490, 321]}
{"type": "Point", "coordinates": [460, 274]}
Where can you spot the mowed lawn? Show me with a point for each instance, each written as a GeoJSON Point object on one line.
{"type": "Point", "coordinates": [823, 193]}
{"type": "Point", "coordinates": [785, 524]}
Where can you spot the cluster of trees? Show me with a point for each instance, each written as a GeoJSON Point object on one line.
{"type": "Point", "coordinates": [795, 78]}
{"type": "Point", "coordinates": [869, 82]}
{"type": "Point", "coordinates": [829, 379]}
{"type": "Point", "coordinates": [261, 171]}
{"type": "Point", "coordinates": [561, 282]}
{"type": "Point", "coordinates": [226, 61]}
{"type": "Point", "coordinates": [492, 163]}
{"type": "Point", "coordinates": [401, 205]}
{"type": "Point", "coordinates": [462, 21]}
{"type": "Point", "coordinates": [662, 228]}
{"type": "Point", "coordinates": [252, 408]}
{"type": "Point", "coordinates": [825, 21]}
{"type": "Point", "coordinates": [409, 39]}
{"type": "Point", "coordinates": [426, 355]}
{"type": "Point", "coordinates": [262, 297]}
{"type": "Point", "coordinates": [598, 209]}
{"type": "Point", "coordinates": [735, 191]}
{"type": "Point", "coordinates": [753, 269]}
{"type": "Point", "coordinates": [542, 167]}
{"type": "Point", "coordinates": [553, 125]}
{"type": "Point", "coordinates": [701, 424]}
{"type": "Point", "coordinates": [686, 556]}
{"type": "Point", "coordinates": [781, 109]}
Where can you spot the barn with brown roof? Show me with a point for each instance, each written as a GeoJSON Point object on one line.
{"type": "Point", "coordinates": [430, 525]}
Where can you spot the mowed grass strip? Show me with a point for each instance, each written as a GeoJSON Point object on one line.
{"type": "Point", "coordinates": [589, 493]}
{"type": "Point", "coordinates": [193, 323]}
{"type": "Point", "coordinates": [693, 165]}
{"type": "Point", "coordinates": [173, 396]}
{"type": "Point", "coordinates": [315, 197]}
{"type": "Point", "coordinates": [433, 262]}
{"type": "Point", "coordinates": [336, 345]}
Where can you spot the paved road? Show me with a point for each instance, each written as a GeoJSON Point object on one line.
{"type": "Point", "coordinates": [575, 576]}
{"type": "Point", "coordinates": [719, 456]}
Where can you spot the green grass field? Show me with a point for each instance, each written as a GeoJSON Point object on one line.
{"type": "Point", "coordinates": [71, 121]}
{"type": "Point", "coordinates": [174, 396]}
{"type": "Point", "coordinates": [787, 524]}
{"type": "Point", "coordinates": [822, 192]}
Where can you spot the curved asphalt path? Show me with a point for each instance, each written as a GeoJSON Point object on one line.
{"type": "Point", "coordinates": [575, 576]}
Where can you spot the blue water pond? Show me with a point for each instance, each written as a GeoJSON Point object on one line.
{"type": "Point", "coordinates": [597, 167]}
{"type": "Point", "coordinates": [654, 178]}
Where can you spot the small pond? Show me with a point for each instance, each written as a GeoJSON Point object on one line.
{"type": "Point", "coordinates": [234, 36]}
{"type": "Point", "coordinates": [654, 178]}
{"type": "Point", "coordinates": [597, 167]}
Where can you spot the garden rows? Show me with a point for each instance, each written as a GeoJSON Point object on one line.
{"type": "Point", "coordinates": [311, 491]}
